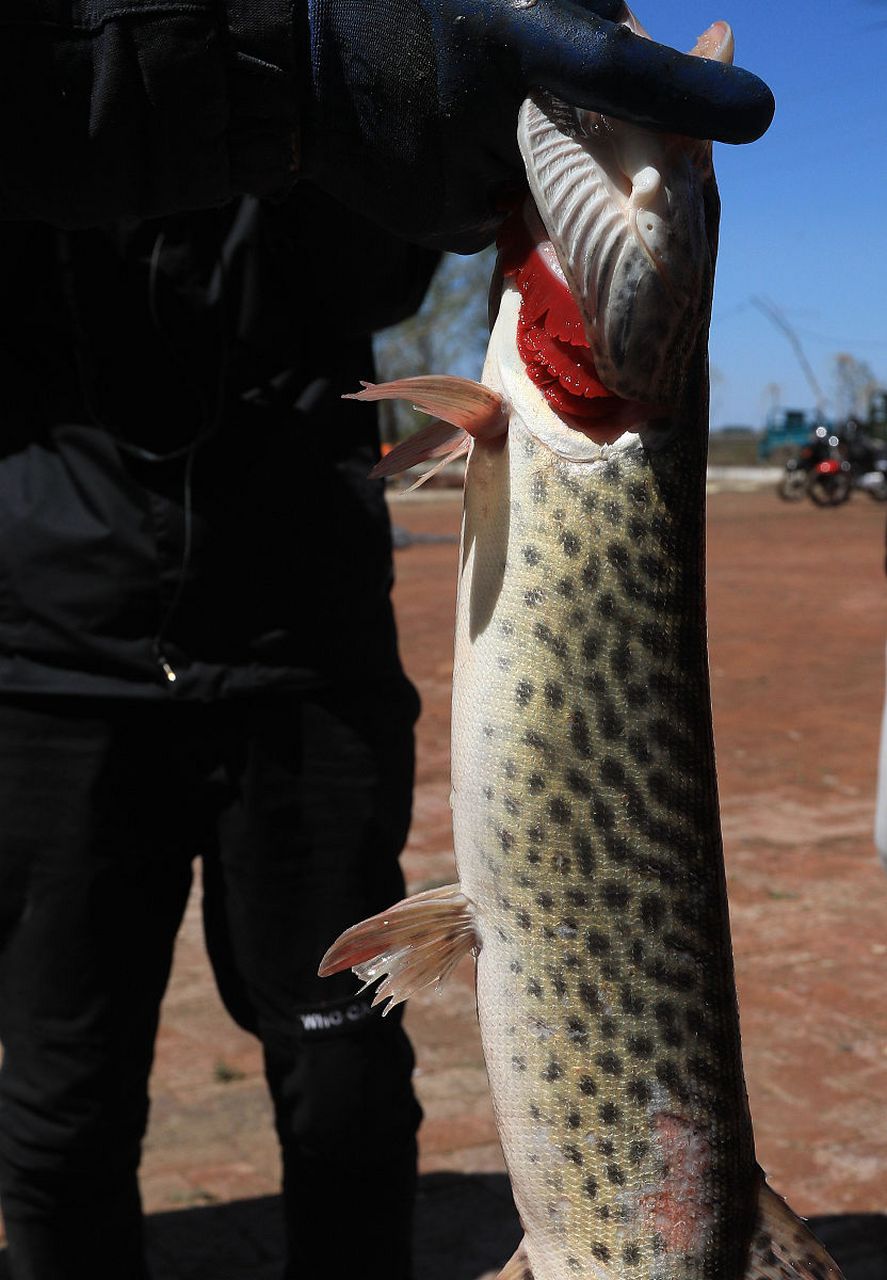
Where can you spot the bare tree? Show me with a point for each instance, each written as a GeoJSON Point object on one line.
{"type": "Point", "coordinates": [447, 335]}
{"type": "Point", "coordinates": [855, 384]}
{"type": "Point", "coordinates": [772, 397]}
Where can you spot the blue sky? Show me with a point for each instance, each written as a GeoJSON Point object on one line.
{"type": "Point", "coordinates": [804, 217]}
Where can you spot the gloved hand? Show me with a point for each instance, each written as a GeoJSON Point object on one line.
{"type": "Point", "coordinates": [412, 105]}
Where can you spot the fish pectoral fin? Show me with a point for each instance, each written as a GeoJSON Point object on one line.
{"type": "Point", "coordinates": [435, 440]}
{"type": "Point", "coordinates": [414, 943]}
{"type": "Point", "coordinates": [518, 1266]}
{"type": "Point", "coordinates": [458, 452]}
{"type": "Point", "coordinates": [459, 401]}
{"type": "Point", "coordinates": [784, 1246]}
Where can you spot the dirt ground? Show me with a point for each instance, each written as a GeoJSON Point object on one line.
{"type": "Point", "coordinates": [797, 651]}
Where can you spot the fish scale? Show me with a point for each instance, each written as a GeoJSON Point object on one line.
{"type": "Point", "coordinates": [594, 848]}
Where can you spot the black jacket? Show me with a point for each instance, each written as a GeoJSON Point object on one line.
{"type": "Point", "coordinates": [148, 107]}
{"type": "Point", "coordinates": [184, 508]}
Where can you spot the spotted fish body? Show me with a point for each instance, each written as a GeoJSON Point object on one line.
{"type": "Point", "coordinates": [587, 836]}
{"type": "Point", "coordinates": [585, 809]}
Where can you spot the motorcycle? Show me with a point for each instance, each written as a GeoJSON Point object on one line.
{"type": "Point", "coordinates": [874, 482]}
{"type": "Point", "coordinates": [800, 470]}
{"type": "Point", "coordinates": [867, 460]}
{"type": "Point", "coordinates": [830, 466]}
{"type": "Point", "coordinates": [830, 482]}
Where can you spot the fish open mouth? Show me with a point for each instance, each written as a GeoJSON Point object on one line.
{"type": "Point", "coordinates": [551, 338]}
{"type": "Point", "coordinates": [612, 259]}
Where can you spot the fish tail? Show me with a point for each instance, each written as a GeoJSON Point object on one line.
{"type": "Point", "coordinates": [783, 1247]}
{"type": "Point", "coordinates": [414, 943]}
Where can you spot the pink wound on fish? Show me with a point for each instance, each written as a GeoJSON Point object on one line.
{"type": "Point", "coordinates": [680, 1211]}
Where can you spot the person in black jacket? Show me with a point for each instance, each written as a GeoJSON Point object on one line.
{"type": "Point", "coordinates": [197, 658]}
{"type": "Point", "coordinates": [197, 649]}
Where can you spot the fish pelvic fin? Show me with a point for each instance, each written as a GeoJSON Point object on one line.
{"type": "Point", "coordinates": [413, 944]}
{"type": "Point", "coordinates": [518, 1266]}
{"type": "Point", "coordinates": [783, 1247]}
{"type": "Point", "coordinates": [459, 401]}
{"type": "Point", "coordinates": [438, 441]}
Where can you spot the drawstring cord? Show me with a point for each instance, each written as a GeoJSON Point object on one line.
{"type": "Point", "coordinates": [211, 414]}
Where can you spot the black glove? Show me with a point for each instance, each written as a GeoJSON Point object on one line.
{"type": "Point", "coordinates": [412, 107]}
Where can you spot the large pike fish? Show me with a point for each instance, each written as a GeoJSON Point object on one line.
{"type": "Point", "coordinates": [585, 809]}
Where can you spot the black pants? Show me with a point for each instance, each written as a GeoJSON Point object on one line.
{"type": "Point", "coordinates": [299, 810]}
